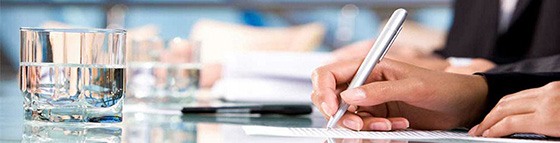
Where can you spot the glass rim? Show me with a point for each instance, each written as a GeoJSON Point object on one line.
{"type": "Point", "coordinates": [72, 30]}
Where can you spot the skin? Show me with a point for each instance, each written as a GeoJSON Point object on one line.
{"type": "Point", "coordinates": [529, 111]}
{"type": "Point", "coordinates": [398, 95]}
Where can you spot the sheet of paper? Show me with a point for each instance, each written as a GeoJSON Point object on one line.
{"type": "Point", "coordinates": [276, 77]}
{"type": "Point", "coordinates": [287, 65]}
{"type": "Point", "coordinates": [345, 133]}
{"type": "Point", "coordinates": [263, 90]}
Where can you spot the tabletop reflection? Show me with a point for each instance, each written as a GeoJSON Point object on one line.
{"type": "Point", "coordinates": [34, 131]}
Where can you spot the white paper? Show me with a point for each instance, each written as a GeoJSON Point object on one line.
{"type": "Point", "coordinates": [345, 133]}
{"type": "Point", "coordinates": [288, 65]}
{"type": "Point", "coordinates": [264, 90]}
{"type": "Point", "coordinates": [279, 77]}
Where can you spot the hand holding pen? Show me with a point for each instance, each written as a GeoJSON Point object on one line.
{"type": "Point", "coordinates": [396, 96]}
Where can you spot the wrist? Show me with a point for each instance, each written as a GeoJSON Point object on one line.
{"type": "Point", "coordinates": [479, 87]}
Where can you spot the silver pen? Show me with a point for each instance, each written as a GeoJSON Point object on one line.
{"type": "Point", "coordinates": [374, 56]}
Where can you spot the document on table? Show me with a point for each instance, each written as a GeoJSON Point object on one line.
{"type": "Point", "coordinates": [273, 77]}
{"type": "Point", "coordinates": [345, 133]}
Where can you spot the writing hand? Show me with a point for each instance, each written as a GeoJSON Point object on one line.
{"type": "Point", "coordinates": [398, 95]}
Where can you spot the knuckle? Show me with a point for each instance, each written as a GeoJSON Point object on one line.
{"type": "Point", "coordinates": [314, 96]}
{"type": "Point", "coordinates": [320, 71]}
{"type": "Point", "coordinates": [555, 86]}
{"type": "Point", "coordinates": [500, 107]}
{"type": "Point", "coordinates": [316, 72]}
{"type": "Point", "coordinates": [506, 98]}
{"type": "Point", "coordinates": [318, 94]}
{"type": "Point", "coordinates": [508, 122]}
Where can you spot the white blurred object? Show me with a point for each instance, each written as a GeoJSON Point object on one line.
{"type": "Point", "coordinates": [264, 90]}
{"type": "Point", "coordinates": [220, 38]}
{"type": "Point", "coordinates": [459, 61]}
{"type": "Point", "coordinates": [269, 76]}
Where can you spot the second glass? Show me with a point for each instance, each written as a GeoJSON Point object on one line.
{"type": "Point", "coordinates": [164, 76]}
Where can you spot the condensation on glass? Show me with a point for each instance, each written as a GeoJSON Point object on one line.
{"type": "Point", "coordinates": [73, 75]}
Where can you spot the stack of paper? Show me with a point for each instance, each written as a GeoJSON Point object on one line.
{"type": "Point", "coordinates": [345, 133]}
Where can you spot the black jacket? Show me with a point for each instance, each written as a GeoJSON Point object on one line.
{"type": "Point", "coordinates": [534, 33]}
{"type": "Point", "coordinates": [502, 84]}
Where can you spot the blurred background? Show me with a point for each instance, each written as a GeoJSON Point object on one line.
{"type": "Point", "coordinates": [343, 21]}
{"type": "Point", "coordinates": [308, 28]}
{"type": "Point", "coordinates": [269, 45]}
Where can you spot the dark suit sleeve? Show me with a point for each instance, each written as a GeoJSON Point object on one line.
{"type": "Point", "coordinates": [544, 64]}
{"type": "Point", "coordinates": [502, 84]}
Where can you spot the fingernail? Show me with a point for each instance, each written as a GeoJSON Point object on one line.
{"type": "Point", "coordinates": [400, 125]}
{"type": "Point", "coordinates": [351, 124]}
{"type": "Point", "coordinates": [380, 126]}
{"type": "Point", "coordinates": [326, 109]}
{"type": "Point", "coordinates": [354, 94]}
{"type": "Point", "coordinates": [473, 130]}
{"type": "Point", "coordinates": [485, 133]}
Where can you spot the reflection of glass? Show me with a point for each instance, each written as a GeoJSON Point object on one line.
{"type": "Point", "coordinates": [41, 132]}
{"type": "Point", "coordinates": [158, 128]}
{"type": "Point", "coordinates": [72, 75]}
{"type": "Point", "coordinates": [164, 76]}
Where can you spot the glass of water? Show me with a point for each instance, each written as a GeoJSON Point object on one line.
{"type": "Point", "coordinates": [73, 75]}
{"type": "Point", "coordinates": [164, 76]}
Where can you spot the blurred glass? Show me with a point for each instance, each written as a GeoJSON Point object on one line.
{"type": "Point", "coordinates": [161, 76]}
{"type": "Point", "coordinates": [72, 75]}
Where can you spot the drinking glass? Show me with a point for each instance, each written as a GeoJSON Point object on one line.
{"type": "Point", "coordinates": [73, 75]}
{"type": "Point", "coordinates": [164, 76]}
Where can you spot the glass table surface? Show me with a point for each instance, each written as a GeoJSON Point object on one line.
{"type": "Point", "coordinates": [170, 126]}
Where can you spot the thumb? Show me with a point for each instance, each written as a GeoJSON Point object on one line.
{"type": "Point", "coordinates": [384, 91]}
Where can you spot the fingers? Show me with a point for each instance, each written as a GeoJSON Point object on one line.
{"type": "Point", "coordinates": [326, 101]}
{"type": "Point", "coordinates": [510, 125]}
{"type": "Point", "coordinates": [508, 106]}
{"type": "Point", "coordinates": [364, 121]}
{"type": "Point", "coordinates": [329, 76]}
{"type": "Point", "coordinates": [385, 124]}
{"type": "Point", "coordinates": [381, 92]}
{"type": "Point", "coordinates": [376, 124]}
{"type": "Point", "coordinates": [473, 130]}
{"type": "Point", "coordinates": [351, 121]}
{"type": "Point", "coordinates": [325, 80]}
{"type": "Point", "coordinates": [328, 80]}
{"type": "Point", "coordinates": [399, 123]}
{"type": "Point", "coordinates": [353, 108]}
